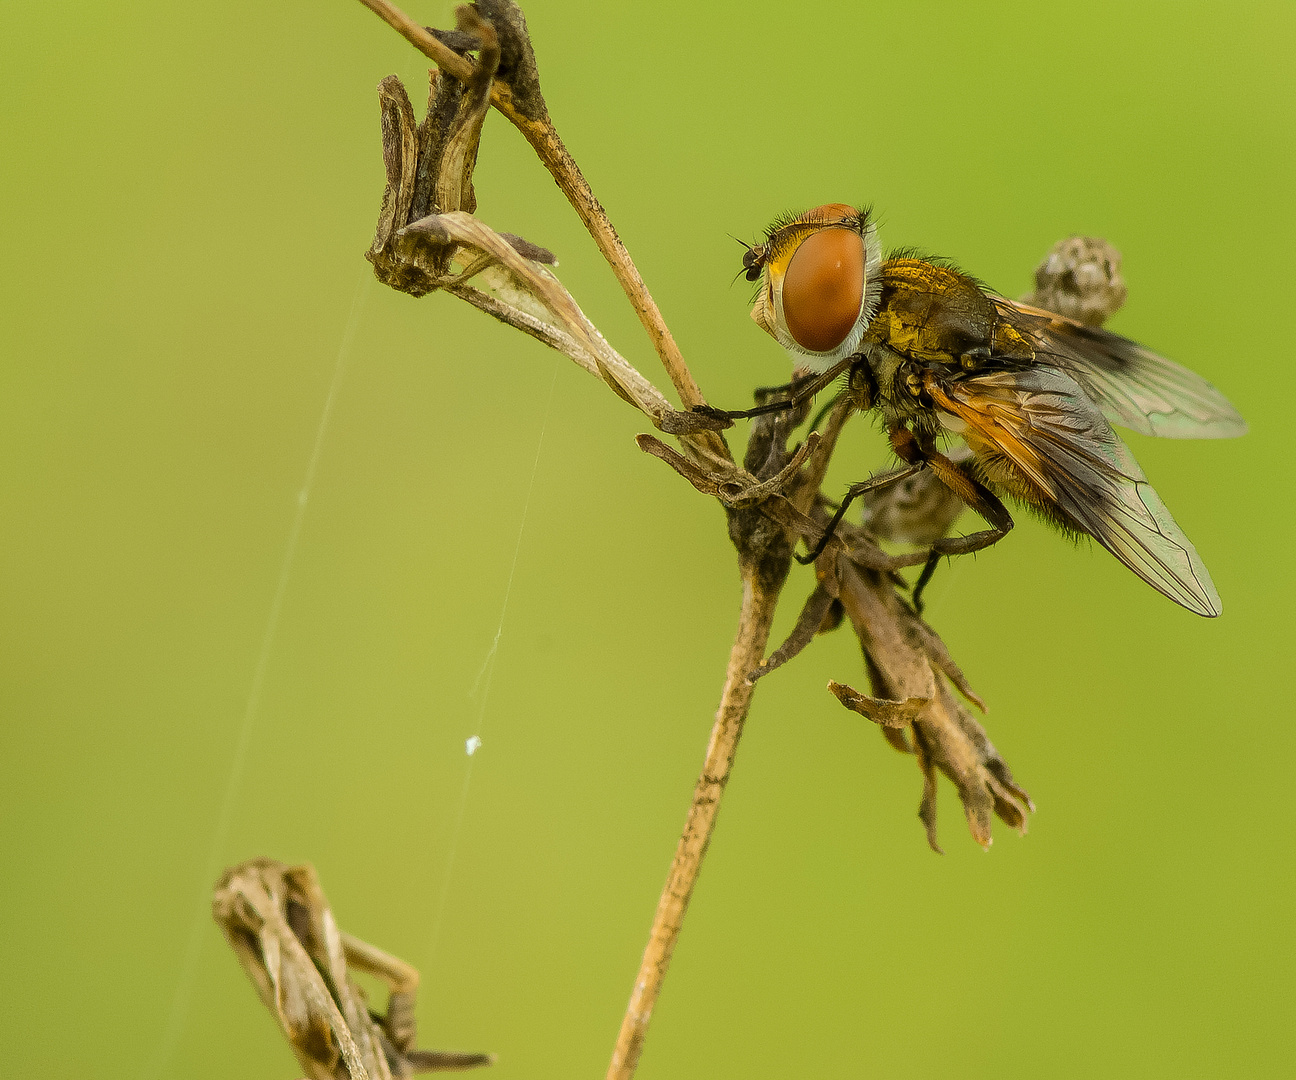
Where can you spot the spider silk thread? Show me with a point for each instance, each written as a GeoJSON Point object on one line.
{"type": "Point", "coordinates": [183, 997]}
{"type": "Point", "coordinates": [486, 677]}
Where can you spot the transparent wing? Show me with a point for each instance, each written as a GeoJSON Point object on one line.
{"type": "Point", "coordinates": [1133, 386]}
{"type": "Point", "coordinates": [1061, 452]}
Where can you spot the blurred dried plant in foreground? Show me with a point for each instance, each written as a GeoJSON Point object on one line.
{"type": "Point", "coordinates": [278, 922]}
{"type": "Point", "coordinates": [428, 239]}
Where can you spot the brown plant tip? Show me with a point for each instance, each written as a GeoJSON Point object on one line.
{"type": "Point", "coordinates": [699, 418]}
{"type": "Point", "coordinates": [516, 93]}
{"type": "Point", "coordinates": [531, 251]}
{"type": "Point", "coordinates": [892, 714]}
{"type": "Point", "coordinates": [429, 169]}
{"type": "Point", "coordinates": [517, 63]}
{"type": "Point", "coordinates": [816, 618]}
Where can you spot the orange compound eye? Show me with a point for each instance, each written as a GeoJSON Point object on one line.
{"type": "Point", "coordinates": [823, 289]}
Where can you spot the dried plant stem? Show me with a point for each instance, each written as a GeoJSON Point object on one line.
{"type": "Point", "coordinates": [757, 616]}
{"type": "Point", "coordinates": [544, 139]}
{"type": "Point", "coordinates": [773, 501]}
{"type": "Point", "coordinates": [553, 153]}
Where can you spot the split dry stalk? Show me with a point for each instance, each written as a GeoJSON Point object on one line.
{"type": "Point", "coordinates": [523, 105]}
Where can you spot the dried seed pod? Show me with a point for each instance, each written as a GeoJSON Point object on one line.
{"type": "Point", "coordinates": [1081, 279]}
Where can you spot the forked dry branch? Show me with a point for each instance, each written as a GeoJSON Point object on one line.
{"type": "Point", "coordinates": [429, 239]}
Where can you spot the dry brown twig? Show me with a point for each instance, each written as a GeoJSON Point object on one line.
{"type": "Point", "coordinates": [428, 239]}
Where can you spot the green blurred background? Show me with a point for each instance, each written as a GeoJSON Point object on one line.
{"type": "Point", "coordinates": [187, 191]}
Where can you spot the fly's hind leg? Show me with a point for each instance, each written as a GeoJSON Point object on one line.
{"type": "Point", "coordinates": [852, 493]}
{"type": "Point", "coordinates": [979, 498]}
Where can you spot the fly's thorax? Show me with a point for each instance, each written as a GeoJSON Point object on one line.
{"type": "Point", "coordinates": [939, 315]}
{"type": "Point", "coordinates": [820, 284]}
{"type": "Point", "coordinates": [894, 397]}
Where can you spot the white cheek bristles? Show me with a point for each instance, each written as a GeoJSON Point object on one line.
{"type": "Point", "coordinates": [822, 361]}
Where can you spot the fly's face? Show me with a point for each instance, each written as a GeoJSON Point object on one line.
{"type": "Point", "coordinates": [820, 283]}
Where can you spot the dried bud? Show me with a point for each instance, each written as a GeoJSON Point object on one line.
{"type": "Point", "coordinates": [1080, 278]}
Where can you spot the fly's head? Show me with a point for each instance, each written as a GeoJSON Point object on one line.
{"type": "Point", "coordinates": [820, 283]}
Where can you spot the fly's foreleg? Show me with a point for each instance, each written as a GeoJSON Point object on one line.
{"type": "Point", "coordinates": [797, 391]}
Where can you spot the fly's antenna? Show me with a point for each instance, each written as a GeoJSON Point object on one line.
{"type": "Point", "coordinates": [753, 260]}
